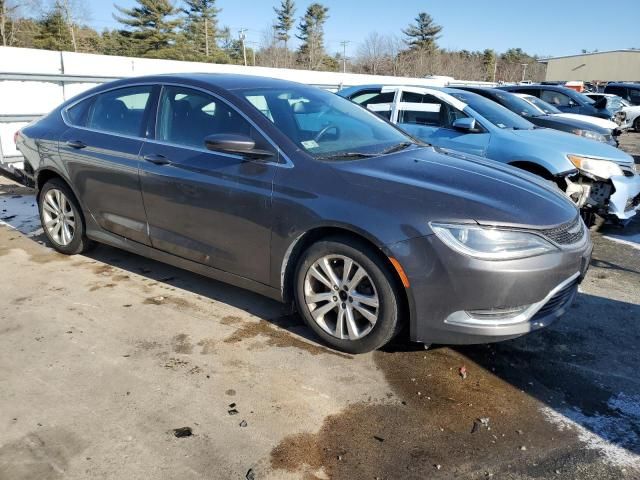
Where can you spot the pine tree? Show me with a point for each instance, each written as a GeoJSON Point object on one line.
{"type": "Point", "coordinates": [201, 26]}
{"type": "Point", "coordinates": [152, 27]}
{"type": "Point", "coordinates": [311, 30]}
{"type": "Point", "coordinates": [423, 35]}
{"type": "Point", "coordinates": [489, 60]}
{"type": "Point", "coordinates": [53, 32]}
{"type": "Point", "coordinates": [285, 20]}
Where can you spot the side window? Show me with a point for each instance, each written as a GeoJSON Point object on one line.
{"type": "Point", "coordinates": [634, 96]}
{"type": "Point", "coordinates": [556, 99]}
{"type": "Point", "coordinates": [614, 90]}
{"type": "Point", "coordinates": [420, 109]}
{"type": "Point", "coordinates": [120, 111]}
{"type": "Point", "coordinates": [78, 114]}
{"type": "Point", "coordinates": [187, 116]}
{"type": "Point", "coordinates": [528, 91]}
{"type": "Point", "coordinates": [373, 97]}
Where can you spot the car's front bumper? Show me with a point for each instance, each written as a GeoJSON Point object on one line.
{"type": "Point", "coordinates": [624, 202]}
{"type": "Point", "coordinates": [452, 296]}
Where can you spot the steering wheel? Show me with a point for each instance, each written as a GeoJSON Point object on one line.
{"type": "Point", "coordinates": [323, 132]}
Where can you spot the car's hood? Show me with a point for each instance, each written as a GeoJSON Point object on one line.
{"type": "Point", "coordinates": [567, 143]}
{"type": "Point", "coordinates": [441, 185]}
{"type": "Point", "coordinates": [600, 122]}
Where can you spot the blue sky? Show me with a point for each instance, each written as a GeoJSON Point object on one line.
{"type": "Point", "coordinates": [544, 28]}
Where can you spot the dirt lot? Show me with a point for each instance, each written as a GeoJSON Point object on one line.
{"type": "Point", "coordinates": [104, 355]}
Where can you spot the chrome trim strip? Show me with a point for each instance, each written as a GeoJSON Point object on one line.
{"type": "Point", "coordinates": [463, 319]}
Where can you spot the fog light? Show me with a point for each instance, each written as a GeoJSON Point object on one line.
{"type": "Point", "coordinates": [497, 313]}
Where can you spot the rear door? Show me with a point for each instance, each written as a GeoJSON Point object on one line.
{"type": "Point", "coordinates": [209, 207]}
{"type": "Point", "coordinates": [101, 150]}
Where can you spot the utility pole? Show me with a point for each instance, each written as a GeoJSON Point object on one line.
{"type": "Point", "coordinates": [244, 47]}
{"type": "Point", "coordinates": [344, 44]}
{"type": "Point", "coordinates": [524, 70]}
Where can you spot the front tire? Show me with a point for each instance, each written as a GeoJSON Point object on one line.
{"type": "Point", "coordinates": [61, 218]}
{"type": "Point", "coordinates": [347, 295]}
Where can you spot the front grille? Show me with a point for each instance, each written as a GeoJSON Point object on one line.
{"type": "Point", "coordinates": [567, 234]}
{"type": "Point", "coordinates": [559, 300]}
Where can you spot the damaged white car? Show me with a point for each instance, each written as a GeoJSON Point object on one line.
{"type": "Point", "coordinates": [602, 180]}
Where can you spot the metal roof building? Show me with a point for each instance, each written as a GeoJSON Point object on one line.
{"type": "Point", "coordinates": [615, 65]}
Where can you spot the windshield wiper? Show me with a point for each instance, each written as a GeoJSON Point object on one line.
{"type": "Point", "coordinates": [396, 148]}
{"type": "Point", "coordinates": [347, 155]}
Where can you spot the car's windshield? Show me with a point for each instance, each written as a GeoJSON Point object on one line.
{"type": "Point", "coordinates": [517, 104]}
{"type": "Point", "coordinates": [542, 105]}
{"type": "Point", "coordinates": [325, 125]}
{"type": "Point", "coordinates": [500, 116]}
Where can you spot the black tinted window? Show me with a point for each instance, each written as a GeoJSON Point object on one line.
{"type": "Point", "coordinates": [120, 111]}
{"type": "Point", "coordinates": [372, 97]}
{"type": "Point", "coordinates": [78, 114]}
{"type": "Point", "coordinates": [620, 91]}
{"type": "Point", "coordinates": [188, 116]}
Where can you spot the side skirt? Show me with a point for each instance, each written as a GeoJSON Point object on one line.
{"type": "Point", "coordinates": [204, 270]}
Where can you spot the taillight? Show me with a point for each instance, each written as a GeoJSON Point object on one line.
{"type": "Point", "coordinates": [15, 137]}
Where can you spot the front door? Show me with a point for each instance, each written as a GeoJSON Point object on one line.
{"type": "Point", "coordinates": [210, 207]}
{"type": "Point", "coordinates": [430, 118]}
{"type": "Point", "coordinates": [101, 150]}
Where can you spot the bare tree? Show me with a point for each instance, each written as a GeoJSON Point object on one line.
{"type": "Point", "coordinates": [373, 53]}
{"type": "Point", "coordinates": [8, 18]}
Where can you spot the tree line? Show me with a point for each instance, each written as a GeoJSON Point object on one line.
{"type": "Point", "coordinates": [191, 30]}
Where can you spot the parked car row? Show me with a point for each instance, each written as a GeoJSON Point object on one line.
{"type": "Point", "coordinates": [303, 196]}
{"type": "Point", "coordinates": [602, 180]}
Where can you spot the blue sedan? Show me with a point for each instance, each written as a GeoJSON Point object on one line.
{"type": "Point", "coordinates": [600, 179]}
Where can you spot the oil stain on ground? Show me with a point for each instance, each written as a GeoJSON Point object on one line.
{"type": "Point", "coordinates": [276, 335]}
{"type": "Point", "coordinates": [439, 425]}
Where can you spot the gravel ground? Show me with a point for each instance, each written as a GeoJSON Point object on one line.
{"type": "Point", "coordinates": [104, 355]}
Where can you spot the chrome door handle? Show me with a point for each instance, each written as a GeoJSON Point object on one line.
{"type": "Point", "coordinates": [77, 144]}
{"type": "Point", "coordinates": [157, 159]}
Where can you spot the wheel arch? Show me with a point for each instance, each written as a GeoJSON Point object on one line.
{"type": "Point", "coordinates": [308, 238]}
{"type": "Point", "coordinates": [533, 167]}
{"type": "Point", "coordinates": [46, 174]}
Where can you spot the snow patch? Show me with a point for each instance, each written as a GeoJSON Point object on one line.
{"type": "Point", "coordinates": [631, 240]}
{"type": "Point", "coordinates": [21, 213]}
{"type": "Point", "coordinates": [615, 435]}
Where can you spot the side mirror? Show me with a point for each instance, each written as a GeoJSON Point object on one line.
{"type": "Point", "coordinates": [466, 124]}
{"type": "Point", "coordinates": [236, 144]}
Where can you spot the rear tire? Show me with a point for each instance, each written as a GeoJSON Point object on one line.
{"type": "Point", "coordinates": [61, 218]}
{"type": "Point", "coordinates": [636, 124]}
{"type": "Point", "coordinates": [347, 295]}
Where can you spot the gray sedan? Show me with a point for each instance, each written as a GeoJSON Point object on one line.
{"type": "Point", "coordinates": [305, 197]}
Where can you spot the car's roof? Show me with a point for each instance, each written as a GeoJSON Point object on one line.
{"type": "Point", "coordinates": [227, 81]}
{"type": "Point", "coordinates": [623, 84]}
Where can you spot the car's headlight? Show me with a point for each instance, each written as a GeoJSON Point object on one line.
{"type": "Point", "coordinates": [590, 134]}
{"type": "Point", "coordinates": [489, 243]}
{"type": "Point", "coordinates": [600, 168]}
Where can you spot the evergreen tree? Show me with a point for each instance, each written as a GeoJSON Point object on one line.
{"type": "Point", "coordinates": [423, 34]}
{"type": "Point", "coordinates": [201, 26]}
{"type": "Point", "coordinates": [53, 33]}
{"type": "Point", "coordinates": [285, 20]}
{"type": "Point", "coordinates": [311, 32]}
{"type": "Point", "coordinates": [152, 27]}
{"type": "Point", "coordinates": [489, 60]}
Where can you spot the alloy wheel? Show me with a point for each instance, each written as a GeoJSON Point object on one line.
{"type": "Point", "coordinates": [59, 219]}
{"type": "Point", "coordinates": [341, 297]}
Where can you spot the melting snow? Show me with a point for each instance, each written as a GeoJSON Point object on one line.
{"type": "Point", "coordinates": [615, 434]}
{"type": "Point", "coordinates": [21, 213]}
